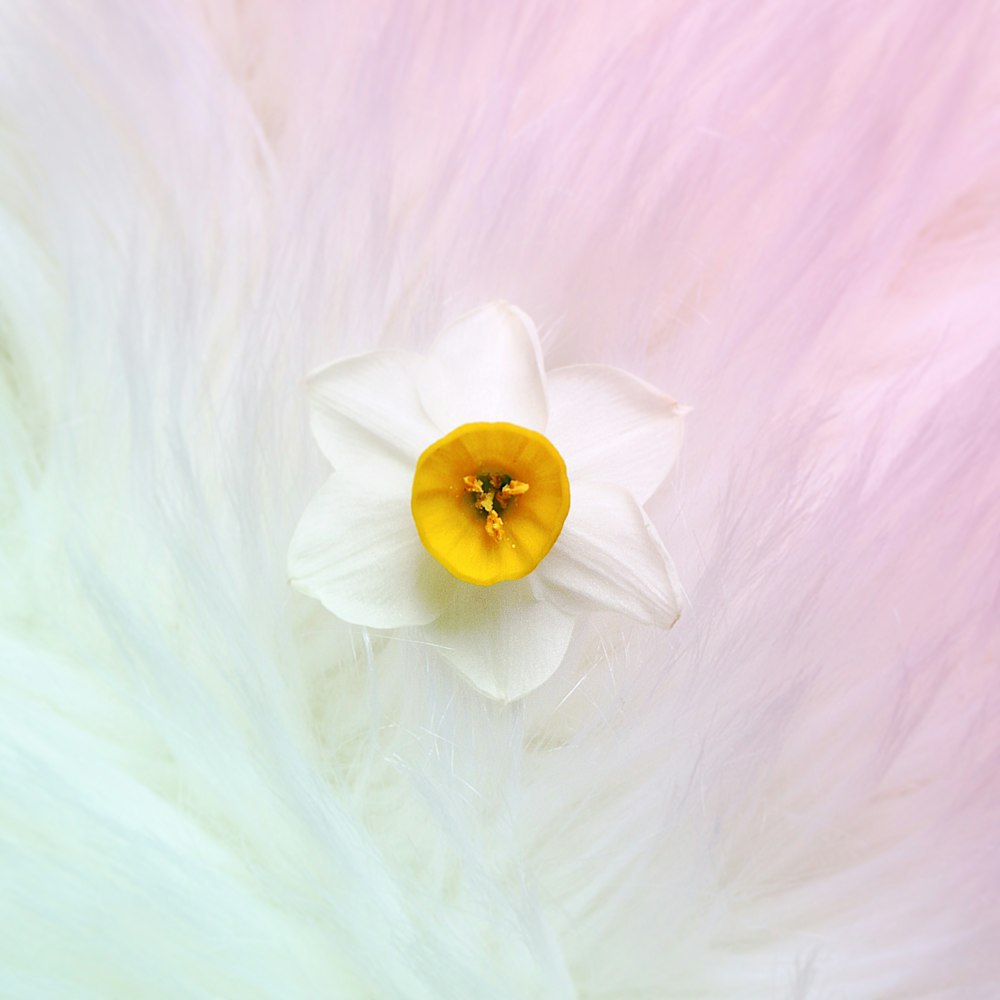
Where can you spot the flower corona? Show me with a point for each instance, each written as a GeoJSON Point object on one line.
{"type": "Point", "coordinates": [489, 501]}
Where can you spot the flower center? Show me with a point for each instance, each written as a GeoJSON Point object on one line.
{"type": "Point", "coordinates": [489, 500]}
{"type": "Point", "coordinates": [492, 492]}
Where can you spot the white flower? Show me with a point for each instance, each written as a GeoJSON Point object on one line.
{"type": "Point", "coordinates": [498, 424]}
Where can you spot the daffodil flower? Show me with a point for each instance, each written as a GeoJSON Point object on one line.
{"type": "Point", "coordinates": [482, 503]}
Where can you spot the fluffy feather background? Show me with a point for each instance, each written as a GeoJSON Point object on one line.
{"type": "Point", "coordinates": [784, 214]}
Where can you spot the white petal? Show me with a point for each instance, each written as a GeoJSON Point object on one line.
{"type": "Point", "coordinates": [612, 427]}
{"type": "Point", "coordinates": [609, 557]}
{"type": "Point", "coordinates": [504, 641]}
{"type": "Point", "coordinates": [356, 549]}
{"type": "Point", "coordinates": [486, 366]}
{"type": "Point", "coordinates": [369, 403]}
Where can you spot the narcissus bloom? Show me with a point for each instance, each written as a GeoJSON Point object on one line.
{"type": "Point", "coordinates": [485, 503]}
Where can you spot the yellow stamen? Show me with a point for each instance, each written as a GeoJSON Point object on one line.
{"type": "Point", "coordinates": [464, 482]}
{"type": "Point", "coordinates": [494, 526]}
{"type": "Point", "coordinates": [512, 489]}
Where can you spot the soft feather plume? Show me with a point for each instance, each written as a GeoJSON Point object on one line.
{"type": "Point", "coordinates": [783, 214]}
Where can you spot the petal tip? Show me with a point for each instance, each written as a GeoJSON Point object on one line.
{"type": "Point", "coordinates": [668, 619]}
